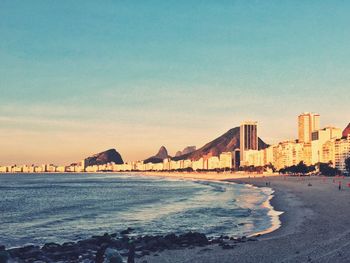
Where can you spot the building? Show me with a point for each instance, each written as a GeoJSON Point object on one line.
{"type": "Point", "coordinates": [319, 138]}
{"type": "Point", "coordinates": [158, 167]}
{"type": "Point", "coordinates": [187, 164]}
{"type": "Point", "coordinates": [4, 169]}
{"type": "Point", "coordinates": [253, 158]}
{"type": "Point", "coordinates": [213, 162]}
{"type": "Point", "coordinates": [342, 152]}
{"type": "Point", "coordinates": [289, 153]}
{"type": "Point", "coordinates": [83, 164]}
{"type": "Point", "coordinates": [198, 165]}
{"type": "Point", "coordinates": [166, 164]}
{"type": "Point", "coordinates": [307, 123]}
{"type": "Point", "coordinates": [225, 160]}
{"type": "Point", "coordinates": [268, 156]}
{"type": "Point", "coordinates": [236, 158]}
{"type": "Point", "coordinates": [248, 138]}
{"type": "Point", "coordinates": [307, 154]}
{"type": "Point", "coordinates": [328, 152]}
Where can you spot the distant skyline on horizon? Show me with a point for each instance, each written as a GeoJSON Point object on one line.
{"type": "Point", "coordinates": [80, 77]}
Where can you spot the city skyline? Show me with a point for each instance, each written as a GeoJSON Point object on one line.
{"type": "Point", "coordinates": [314, 148]}
{"type": "Point", "coordinates": [173, 74]}
{"type": "Point", "coordinates": [249, 130]}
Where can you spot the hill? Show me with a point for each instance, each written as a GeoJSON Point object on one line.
{"type": "Point", "coordinates": [108, 156]}
{"type": "Point", "coordinates": [227, 142]}
{"type": "Point", "coordinates": [159, 157]}
{"type": "Point", "coordinates": [346, 131]}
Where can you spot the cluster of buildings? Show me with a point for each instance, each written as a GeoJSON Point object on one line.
{"type": "Point", "coordinates": [45, 168]}
{"type": "Point", "coordinates": [223, 161]}
{"type": "Point", "coordinates": [314, 145]}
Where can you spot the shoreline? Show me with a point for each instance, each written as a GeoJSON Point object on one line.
{"type": "Point", "coordinates": [314, 226]}
{"type": "Point", "coordinates": [47, 248]}
{"type": "Point", "coordinates": [274, 213]}
{"type": "Point", "coordinates": [213, 177]}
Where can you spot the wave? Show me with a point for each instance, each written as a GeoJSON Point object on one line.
{"type": "Point", "coordinates": [62, 206]}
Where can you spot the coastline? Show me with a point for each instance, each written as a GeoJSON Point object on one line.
{"type": "Point", "coordinates": [239, 178]}
{"type": "Point", "coordinates": [74, 247]}
{"type": "Point", "coordinates": [230, 178]}
{"type": "Point", "coordinates": [314, 226]}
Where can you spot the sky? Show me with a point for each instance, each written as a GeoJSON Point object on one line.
{"type": "Point", "coordinates": [80, 77]}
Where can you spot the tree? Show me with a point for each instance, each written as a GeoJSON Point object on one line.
{"type": "Point", "coordinates": [301, 168]}
{"type": "Point", "coordinates": [327, 170]}
{"type": "Point", "coordinates": [347, 165]}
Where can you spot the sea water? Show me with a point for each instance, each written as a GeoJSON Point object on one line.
{"type": "Point", "coordinates": [41, 208]}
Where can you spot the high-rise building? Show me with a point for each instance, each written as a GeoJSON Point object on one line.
{"type": "Point", "coordinates": [319, 138]}
{"type": "Point", "coordinates": [342, 152]}
{"type": "Point", "coordinates": [248, 138]}
{"type": "Point", "coordinates": [307, 123]}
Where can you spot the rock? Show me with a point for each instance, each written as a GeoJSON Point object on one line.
{"type": "Point", "coordinates": [4, 255]}
{"type": "Point", "coordinates": [97, 248]}
{"type": "Point", "coordinates": [151, 245]}
{"type": "Point", "coordinates": [68, 244]}
{"type": "Point", "coordinates": [194, 238]}
{"type": "Point", "coordinates": [145, 253]}
{"type": "Point", "coordinates": [171, 237]}
{"type": "Point", "coordinates": [127, 231]}
{"type": "Point", "coordinates": [25, 252]}
{"type": "Point", "coordinates": [124, 252]}
{"type": "Point", "coordinates": [112, 256]}
{"type": "Point", "coordinates": [51, 247]}
{"type": "Point", "coordinates": [227, 246]}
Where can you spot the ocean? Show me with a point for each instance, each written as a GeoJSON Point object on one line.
{"type": "Point", "coordinates": [41, 208]}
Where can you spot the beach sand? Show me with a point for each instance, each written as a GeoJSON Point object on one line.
{"type": "Point", "coordinates": [315, 225]}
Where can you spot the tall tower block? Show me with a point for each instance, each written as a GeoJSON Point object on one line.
{"type": "Point", "coordinates": [248, 137]}
{"type": "Point", "coordinates": [307, 123]}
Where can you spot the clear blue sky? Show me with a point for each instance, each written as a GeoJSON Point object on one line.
{"type": "Point", "coordinates": [78, 77]}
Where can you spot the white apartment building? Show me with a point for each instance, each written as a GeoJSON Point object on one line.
{"type": "Point", "coordinates": [226, 160]}
{"type": "Point", "coordinates": [198, 165]}
{"type": "Point", "coordinates": [319, 138]}
{"type": "Point", "coordinates": [213, 162]}
{"type": "Point", "coordinates": [342, 152]}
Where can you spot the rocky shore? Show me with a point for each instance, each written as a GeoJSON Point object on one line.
{"type": "Point", "coordinates": [119, 247]}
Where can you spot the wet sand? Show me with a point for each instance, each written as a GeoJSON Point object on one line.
{"type": "Point", "coordinates": [315, 226]}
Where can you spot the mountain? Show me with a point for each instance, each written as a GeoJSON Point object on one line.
{"type": "Point", "coordinates": [227, 142]}
{"type": "Point", "coordinates": [186, 150]}
{"type": "Point", "coordinates": [189, 149]}
{"type": "Point", "coordinates": [178, 153]}
{"type": "Point", "coordinates": [159, 157]}
{"type": "Point", "coordinates": [346, 131]}
{"type": "Point", "coordinates": [108, 156]}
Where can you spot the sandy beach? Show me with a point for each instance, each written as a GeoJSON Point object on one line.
{"type": "Point", "coordinates": [314, 225]}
